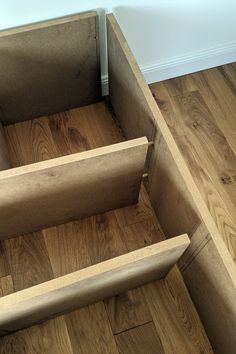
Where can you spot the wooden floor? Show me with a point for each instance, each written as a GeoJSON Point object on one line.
{"type": "Point", "coordinates": [200, 110]}
{"type": "Point", "coordinates": [157, 318]}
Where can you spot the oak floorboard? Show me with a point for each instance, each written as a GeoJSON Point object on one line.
{"type": "Point", "coordinates": [6, 285]}
{"type": "Point", "coordinates": [201, 126]}
{"type": "Point", "coordinates": [137, 212]}
{"type": "Point", "coordinates": [214, 98]}
{"type": "Point", "coordinates": [105, 243]}
{"type": "Point", "coordinates": [220, 207]}
{"type": "Point", "coordinates": [30, 141]}
{"type": "Point", "coordinates": [204, 105]}
{"type": "Point", "coordinates": [66, 247]}
{"type": "Point", "coordinates": [90, 331]}
{"type": "Point", "coordinates": [229, 73]}
{"type": "Point", "coordinates": [68, 138]}
{"type": "Point", "coordinates": [127, 310]}
{"type": "Point", "coordinates": [50, 337]}
{"type": "Point", "coordinates": [140, 340]}
{"type": "Point", "coordinates": [217, 88]}
{"type": "Point", "coordinates": [179, 85]}
{"type": "Point", "coordinates": [28, 260]}
{"type": "Point", "coordinates": [168, 109]}
{"type": "Point", "coordinates": [4, 267]}
{"type": "Point", "coordinates": [175, 319]}
{"type": "Point", "coordinates": [141, 234]}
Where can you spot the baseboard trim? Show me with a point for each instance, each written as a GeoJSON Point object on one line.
{"type": "Point", "coordinates": [183, 65]}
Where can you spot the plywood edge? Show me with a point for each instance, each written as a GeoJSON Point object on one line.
{"type": "Point", "coordinates": [177, 157]}
{"type": "Point", "coordinates": [48, 23]}
{"type": "Point", "coordinates": [68, 159]}
{"type": "Point", "coordinates": [89, 285]}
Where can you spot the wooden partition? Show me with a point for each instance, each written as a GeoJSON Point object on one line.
{"type": "Point", "coordinates": [89, 285]}
{"type": "Point", "coordinates": [56, 191]}
{"type": "Point", "coordinates": [36, 80]}
{"type": "Point", "coordinates": [207, 266]}
{"type": "Point", "coordinates": [4, 156]}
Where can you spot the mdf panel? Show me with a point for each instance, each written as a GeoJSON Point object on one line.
{"type": "Point", "coordinates": [205, 291]}
{"type": "Point", "coordinates": [174, 195]}
{"type": "Point", "coordinates": [89, 285]}
{"type": "Point", "coordinates": [49, 67]}
{"type": "Point", "coordinates": [71, 187]}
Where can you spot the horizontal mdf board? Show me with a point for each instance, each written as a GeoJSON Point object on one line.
{"type": "Point", "coordinates": [175, 197]}
{"type": "Point", "coordinates": [4, 157]}
{"type": "Point", "coordinates": [89, 285]}
{"type": "Point", "coordinates": [49, 67]}
{"type": "Point", "coordinates": [72, 187]}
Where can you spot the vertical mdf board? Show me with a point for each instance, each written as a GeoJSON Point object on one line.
{"type": "Point", "coordinates": [207, 266]}
{"type": "Point", "coordinates": [4, 156]}
{"type": "Point", "coordinates": [49, 67]}
{"type": "Point", "coordinates": [71, 187]}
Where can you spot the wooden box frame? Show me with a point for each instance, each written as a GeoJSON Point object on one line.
{"type": "Point", "coordinates": [207, 267]}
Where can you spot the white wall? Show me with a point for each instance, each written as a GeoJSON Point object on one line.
{"type": "Point", "coordinates": [168, 37]}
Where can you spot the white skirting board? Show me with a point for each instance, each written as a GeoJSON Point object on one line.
{"type": "Point", "coordinates": [185, 64]}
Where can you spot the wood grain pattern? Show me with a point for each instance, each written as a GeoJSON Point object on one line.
{"type": "Point", "coordinates": [127, 310]}
{"type": "Point", "coordinates": [203, 147]}
{"type": "Point", "coordinates": [4, 154]}
{"type": "Point", "coordinates": [139, 340]}
{"type": "Point", "coordinates": [4, 267]}
{"type": "Point", "coordinates": [169, 316]}
{"type": "Point", "coordinates": [226, 101]}
{"type": "Point", "coordinates": [90, 285]}
{"type": "Point", "coordinates": [213, 89]}
{"type": "Point", "coordinates": [136, 213]}
{"type": "Point", "coordinates": [60, 190]}
{"type": "Point", "coordinates": [105, 241]}
{"type": "Point", "coordinates": [201, 125]}
{"type": "Point", "coordinates": [173, 193]}
{"type": "Point", "coordinates": [229, 74]}
{"type": "Point", "coordinates": [207, 153]}
{"type": "Point", "coordinates": [168, 110]}
{"type": "Point", "coordinates": [61, 54]}
{"type": "Point", "coordinates": [67, 248]}
{"type": "Point", "coordinates": [90, 331]}
{"type": "Point", "coordinates": [6, 285]}
{"type": "Point", "coordinates": [220, 207]}
{"type": "Point", "coordinates": [51, 337]}
{"type": "Point", "coordinates": [148, 231]}
{"type": "Point", "coordinates": [39, 147]}
{"type": "Point", "coordinates": [25, 255]}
